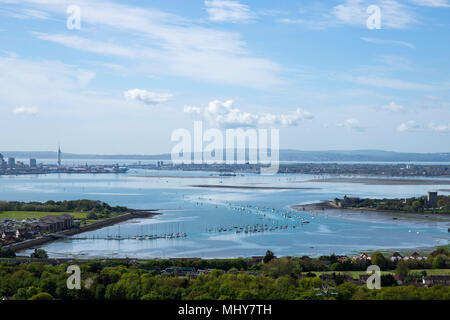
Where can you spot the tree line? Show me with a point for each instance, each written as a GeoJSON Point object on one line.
{"type": "Point", "coordinates": [272, 278]}
{"type": "Point", "coordinates": [84, 205]}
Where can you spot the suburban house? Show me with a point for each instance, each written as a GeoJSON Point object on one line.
{"type": "Point", "coordinates": [181, 271]}
{"type": "Point", "coordinates": [341, 258]}
{"type": "Point", "coordinates": [414, 256]}
{"type": "Point", "coordinates": [362, 256]}
{"type": "Point", "coordinates": [23, 234]}
{"type": "Point", "coordinates": [7, 235]}
{"type": "Point", "coordinates": [396, 257]}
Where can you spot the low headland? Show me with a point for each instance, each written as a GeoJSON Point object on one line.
{"type": "Point", "coordinates": [26, 225]}
{"type": "Point", "coordinates": [425, 205]}
{"type": "Point", "coordinates": [383, 181]}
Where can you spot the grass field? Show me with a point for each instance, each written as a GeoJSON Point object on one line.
{"type": "Point", "coordinates": [21, 215]}
{"type": "Point", "coordinates": [356, 274]}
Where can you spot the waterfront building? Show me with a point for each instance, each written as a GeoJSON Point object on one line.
{"type": "Point", "coordinates": [54, 223]}
{"type": "Point", "coordinates": [32, 163]}
{"type": "Point", "coordinates": [432, 199]}
{"type": "Point", "coordinates": [346, 201]}
{"type": "Point", "coordinates": [11, 163]}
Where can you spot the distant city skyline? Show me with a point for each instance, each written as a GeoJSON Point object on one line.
{"type": "Point", "coordinates": [136, 71]}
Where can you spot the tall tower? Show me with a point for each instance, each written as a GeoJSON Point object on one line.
{"type": "Point", "coordinates": [59, 155]}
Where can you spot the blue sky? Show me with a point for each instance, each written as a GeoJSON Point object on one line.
{"type": "Point", "coordinates": [137, 70]}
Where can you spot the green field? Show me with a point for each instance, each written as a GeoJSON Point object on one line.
{"type": "Point", "coordinates": [356, 274]}
{"type": "Point", "coordinates": [21, 215]}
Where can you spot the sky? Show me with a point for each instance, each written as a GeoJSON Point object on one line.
{"type": "Point", "coordinates": [119, 77]}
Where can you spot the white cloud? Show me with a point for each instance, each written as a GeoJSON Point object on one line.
{"type": "Point", "coordinates": [393, 107]}
{"type": "Point", "coordinates": [25, 14]}
{"type": "Point", "coordinates": [353, 124]}
{"type": "Point", "coordinates": [387, 41]}
{"type": "Point", "coordinates": [146, 97]}
{"type": "Point", "coordinates": [292, 21]}
{"type": "Point", "coordinates": [79, 43]}
{"type": "Point", "coordinates": [159, 43]}
{"type": "Point", "coordinates": [40, 76]}
{"type": "Point", "coordinates": [410, 125]}
{"type": "Point", "coordinates": [228, 11]}
{"type": "Point", "coordinates": [432, 3]}
{"type": "Point", "coordinates": [224, 115]}
{"type": "Point", "coordinates": [394, 15]}
{"type": "Point", "coordinates": [192, 110]}
{"type": "Point", "coordinates": [383, 82]}
{"type": "Point", "coordinates": [439, 128]}
{"type": "Point", "coordinates": [397, 62]}
{"type": "Point", "coordinates": [32, 111]}
{"type": "Point", "coordinates": [285, 120]}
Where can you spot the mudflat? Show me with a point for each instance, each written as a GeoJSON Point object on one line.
{"type": "Point", "coordinates": [248, 187]}
{"type": "Point", "coordinates": [384, 181]}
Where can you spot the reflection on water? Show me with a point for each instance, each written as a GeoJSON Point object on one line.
{"type": "Point", "coordinates": [250, 220]}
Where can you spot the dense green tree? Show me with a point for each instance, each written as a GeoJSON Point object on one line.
{"type": "Point", "coordinates": [42, 296]}
{"type": "Point", "coordinates": [39, 254]}
{"type": "Point", "coordinates": [440, 262]}
{"type": "Point", "coordinates": [440, 250]}
{"type": "Point", "coordinates": [269, 256]}
{"type": "Point", "coordinates": [380, 260]}
{"type": "Point", "coordinates": [91, 216]}
{"type": "Point", "coordinates": [402, 269]}
{"type": "Point", "coordinates": [7, 253]}
{"type": "Point", "coordinates": [282, 267]}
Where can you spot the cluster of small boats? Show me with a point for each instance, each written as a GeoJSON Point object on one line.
{"type": "Point", "coordinates": [162, 236]}
{"type": "Point", "coordinates": [253, 228]}
{"type": "Point", "coordinates": [146, 237]}
{"type": "Point", "coordinates": [266, 211]}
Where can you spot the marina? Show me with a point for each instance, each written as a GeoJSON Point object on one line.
{"type": "Point", "coordinates": [121, 238]}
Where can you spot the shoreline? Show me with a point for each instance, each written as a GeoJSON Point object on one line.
{"type": "Point", "coordinates": [386, 251]}
{"type": "Point", "coordinates": [325, 205]}
{"type": "Point", "coordinates": [383, 181]}
{"type": "Point", "coordinates": [249, 187]}
{"type": "Point", "coordinates": [29, 244]}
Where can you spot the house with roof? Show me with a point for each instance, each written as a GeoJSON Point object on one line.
{"type": "Point", "coordinates": [180, 271]}
{"type": "Point", "coordinates": [54, 223]}
{"type": "Point", "coordinates": [7, 235]}
{"type": "Point", "coordinates": [363, 256]}
{"type": "Point", "coordinates": [396, 257]}
{"type": "Point", "coordinates": [346, 201]}
{"type": "Point", "coordinates": [23, 233]}
{"type": "Point", "coordinates": [414, 256]}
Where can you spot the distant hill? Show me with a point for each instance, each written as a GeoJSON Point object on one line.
{"type": "Point", "coordinates": [53, 155]}
{"type": "Point", "coordinates": [360, 155]}
{"type": "Point", "coordinates": [285, 155]}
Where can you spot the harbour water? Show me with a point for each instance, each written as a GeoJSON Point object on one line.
{"type": "Point", "coordinates": [228, 221]}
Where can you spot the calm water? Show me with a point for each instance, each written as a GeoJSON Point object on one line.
{"type": "Point", "coordinates": [199, 212]}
